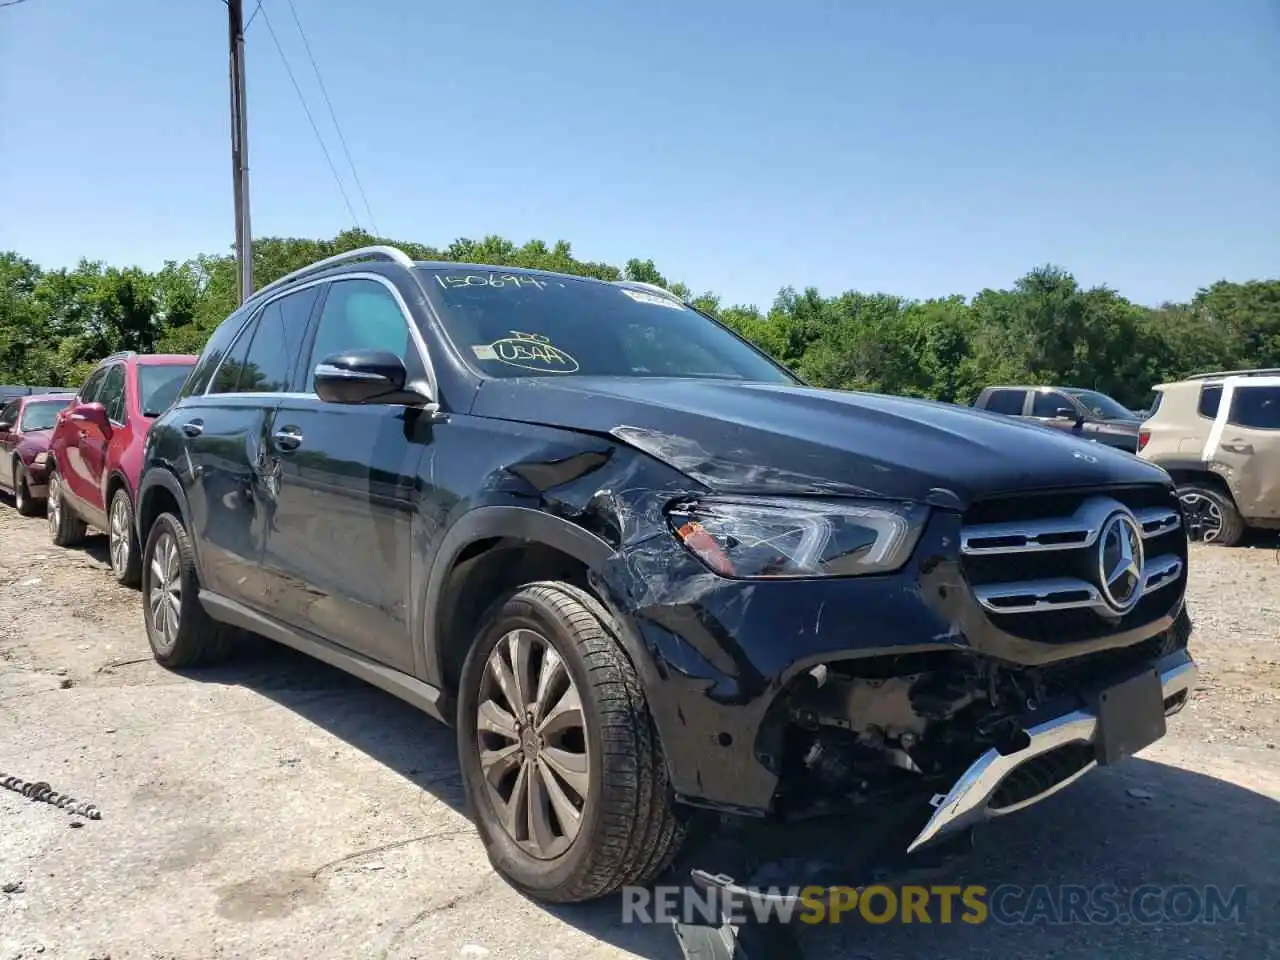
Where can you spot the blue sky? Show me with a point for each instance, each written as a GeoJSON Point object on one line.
{"type": "Point", "coordinates": [923, 147]}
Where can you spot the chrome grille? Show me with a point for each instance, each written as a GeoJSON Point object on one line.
{"type": "Point", "coordinates": [1041, 574]}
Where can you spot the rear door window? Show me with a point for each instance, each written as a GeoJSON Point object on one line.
{"type": "Point", "coordinates": [269, 364]}
{"type": "Point", "coordinates": [1256, 408]}
{"type": "Point", "coordinates": [1006, 401]}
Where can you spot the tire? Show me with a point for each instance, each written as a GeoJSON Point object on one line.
{"type": "Point", "coordinates": [126, 561]}
{"type": "Point", "coordinates": [21, 493]}
{"type": "Point", "coordinates": [65, 529]}
{"type": "Point", "coordinates": [628, 831]}
{"type": "Point", "coordinates": [180, 631]}
{"type": "Point", "coordinates": [1221, 520]}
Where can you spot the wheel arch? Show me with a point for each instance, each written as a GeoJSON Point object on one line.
{"type": "Point", "coordinates": [489, 550]}
{"type": "Point", "coordinates": [115, 480]}
{"type": "Point", "coordinates": [160, 492]}
{"type": "Point", "coordinates": [1198, 473]}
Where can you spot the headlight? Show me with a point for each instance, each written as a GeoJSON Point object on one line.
{"type": "Point", "coordinates": [758, 538]}
{"type": "Point", "coordinates": [40, 459]}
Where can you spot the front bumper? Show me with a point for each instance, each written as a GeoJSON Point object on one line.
{"type": "Point", "coordinates": [774, 868]}
{"type": "Point", "coordinates": [975, 796]}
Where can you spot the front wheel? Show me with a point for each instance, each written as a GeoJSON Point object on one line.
{"type": "Point", "coordinates": [1211, 515]}
{"type": "Point", "coordinates": [560, 762]}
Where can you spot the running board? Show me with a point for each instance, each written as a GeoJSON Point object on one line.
{"type": "Point", "coordinates": [430, 700]}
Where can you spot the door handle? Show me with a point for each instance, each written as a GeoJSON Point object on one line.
{"type": "Point", "coordinates": [1238, 447]}
{"type": "Point", "coordinates": [288, 438]}
{"type": "Point", "coordinates": [193, 428]}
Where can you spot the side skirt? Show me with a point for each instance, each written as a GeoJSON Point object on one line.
{"type": "Point", "coordinates": [425, 697]}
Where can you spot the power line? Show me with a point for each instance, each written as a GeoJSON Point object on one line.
{"type": "Point", "coordinates": [11, 3]}
{"type": "Point", "coordinates": [333, 116]}
{"type": "Point", "coordinates": [248, 22]}
{"type": "Point", "coordinates": [307, 110]}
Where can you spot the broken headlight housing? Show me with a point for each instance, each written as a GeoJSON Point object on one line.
{"type": "Point", "coordinates": [757, 538]}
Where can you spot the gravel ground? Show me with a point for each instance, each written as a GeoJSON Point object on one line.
{"type": "Point", "coordinates": [276, 808]}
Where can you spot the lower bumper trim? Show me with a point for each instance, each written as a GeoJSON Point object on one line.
{"type": "Point", "coordinates": [970, 800]}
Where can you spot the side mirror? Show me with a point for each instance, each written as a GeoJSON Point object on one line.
{"type": "Point", "coordinates": [1065, 413]}
{"type": "Point", "coordinates": [5, 426]}
{"type": "Point", "coordinates": [361, 376]}
{"type": "Point", "coordinates": [94, 413]}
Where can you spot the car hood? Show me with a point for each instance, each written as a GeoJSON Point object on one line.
{"type": "Point", "coordinates": [735, 437]}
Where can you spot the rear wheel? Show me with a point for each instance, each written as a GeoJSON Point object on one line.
{"type": "Point", "coordinates": [65, 528]}
{"type": "Point", "coordinates": [180, 631]}
{"type": "Point", "coordinates": [22, 493]}
{"type": "Point", "coordinates": [560, 761]}
{"type": "Point", "coordinates": [123, 542]}
{"type": "Point", "coordinates": [1211, 515]}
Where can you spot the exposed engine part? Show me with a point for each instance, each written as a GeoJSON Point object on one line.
{"type": "Point", "coordinates": [884, 728]}
{"type": "Point", "coordinates": [879, 708]}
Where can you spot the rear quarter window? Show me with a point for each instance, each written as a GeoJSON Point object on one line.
{"type": "Point", "coordinates": [214, 350]}
{"type": "Point", "coordinates": [1210, 399]}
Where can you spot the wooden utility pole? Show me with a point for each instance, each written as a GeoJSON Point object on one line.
{"type": "Point", "coordinates": [240, 149]}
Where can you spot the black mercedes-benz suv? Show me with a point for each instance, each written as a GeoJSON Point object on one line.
{"type": "Point", "coordinates": [649, 575]}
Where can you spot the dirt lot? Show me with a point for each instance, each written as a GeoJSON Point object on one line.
{"type": "Point", "coordinates": [275, 808]}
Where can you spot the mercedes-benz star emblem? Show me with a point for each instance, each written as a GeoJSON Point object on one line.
{"type": "Point", "coordinates": [1120, 562]}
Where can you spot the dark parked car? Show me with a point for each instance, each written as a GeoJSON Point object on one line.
{"type": "Point", "coordinates": [26, 424]}
{"type": "Point", "coordinates": [1087, 414]}
{"type": "Point", "coordinates": [646, 571]}
{"type": "Point", "coordinates": [95, 455]}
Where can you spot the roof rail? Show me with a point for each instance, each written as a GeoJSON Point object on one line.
{"type": "Point", "coordinates": [648, 287]}
{"type": "Point", "coordinates": [1261, 372]}
{"type": "Point", "coordinates": [377, 252]}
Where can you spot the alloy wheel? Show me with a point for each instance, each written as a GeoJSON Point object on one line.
{"type": "Point", "coordinates": [1204, 518]}
{"type": "Point", "coordinates": [118, 535]}
{"type": "Point", "coordinates": [164, 597]}
{"type": "Point", "coordinates": [532, 738]}
{"type": "Point", "coordinates": [19, 491]}
{"type": "Point", "coordinates": [55, 504]}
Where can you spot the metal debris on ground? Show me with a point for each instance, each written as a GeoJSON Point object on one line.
{"type": "Point", "coordinates": [40, 791]}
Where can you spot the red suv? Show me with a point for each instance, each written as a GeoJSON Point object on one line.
{"type": "Point", "coordinates": [96, 451]}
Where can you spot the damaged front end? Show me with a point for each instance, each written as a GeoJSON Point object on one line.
{"type": "Point", "coordinates": [887, 765]}
{"type": "Point", "coordinates": [960, 738]}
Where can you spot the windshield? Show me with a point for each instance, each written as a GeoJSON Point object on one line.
{"type": "Point", "coordinates": [1103, 407]}
{"type": "Point", "coordinates": [158, 385]}
{"type": "Point", "coordinates": [40, 414]}
{"type": "Point", "coordinates": [521, 325]}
